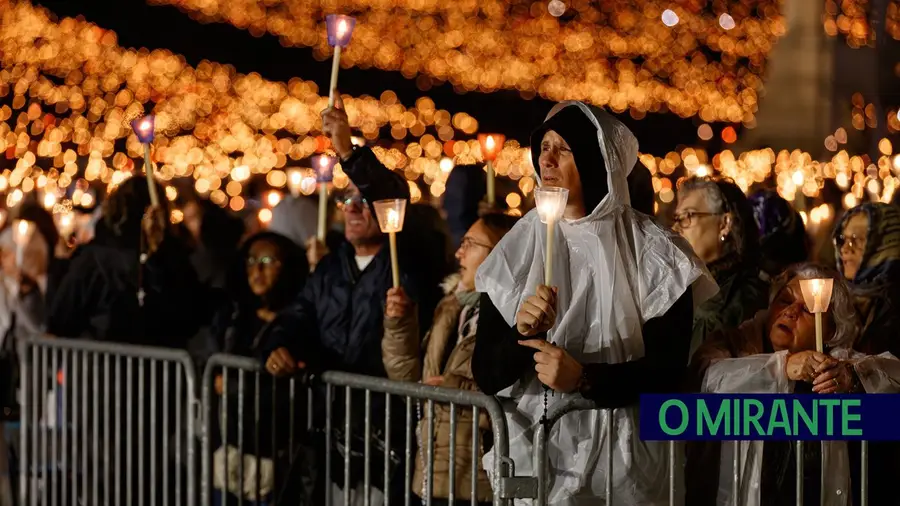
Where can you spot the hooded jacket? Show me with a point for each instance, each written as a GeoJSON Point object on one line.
{"type": "Point", "coordinates": [617, 272]}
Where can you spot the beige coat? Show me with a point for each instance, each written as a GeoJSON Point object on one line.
{"type": "Point", "coordinates": [401, 352]}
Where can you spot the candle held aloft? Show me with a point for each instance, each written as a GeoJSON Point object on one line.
{"type": "Point", "coordinates": [22, 231]}
{"type": "Point", "coordinates": [145, 130]}
{"type": "Point", "coordinates": [390, 214]}
{"type": "Point", "coordinates": [817, 297]}
{"type": "Point", "coordinates": [551, 204]}
{"type": "Point", "coordinates": [324, 166]}
{"type": "Point", "coordinates": [491, 144]}
{"type": "Point", "coordinates": [339, 28]}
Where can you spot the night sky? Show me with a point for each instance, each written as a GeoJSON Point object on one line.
{"type": "Point", "coordinates": [140, 25]}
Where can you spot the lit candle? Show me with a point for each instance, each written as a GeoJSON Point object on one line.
{"type": "Point", "coordinates": [144, 129]}
{"type": "Point", "coordinates": [324, 166]}
{"type": "Point", "coordinates": [551, 204]}
{"type": "Point", "coordinates": [295, 181]}
{"type": "Point", "coordinates": [22, 230]}
{"type": "Point", "coordinates": [390, 214]}
{"type": "Point", "coordinates": [490, 147]}
{"type": "Point", "coordinates": [817, 297]}
{"type": "Point", "coordinates": [65, 223]}
{"type": "Point", "coordinates": [339, 28]}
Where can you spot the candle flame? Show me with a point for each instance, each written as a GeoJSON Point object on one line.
{"type": "Point", "coordinates": [341, 28]}
{"type": "Point", "coordinates": [295, 179]}
{"type": "Point", "coordinates": [489, 143]}
{"type": "Point", "coordinates": [22, 228]}
{"type": "Point", "coordinates": [816, 285]}
{"type": "Point", "coordinates": [145, 125]}
{"type": "Point", "coordinates": [323, 162]}
{"type": "Point", "coordinates": [393, 219]}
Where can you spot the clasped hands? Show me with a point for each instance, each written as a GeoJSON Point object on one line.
{"type": "Point", "coordinates": [554, 366]}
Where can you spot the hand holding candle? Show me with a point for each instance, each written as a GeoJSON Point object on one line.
{"type": "Point", "coordinates": [491, 144]}
{"type": "Point", "coordinates": [551, 204]}
{"type": "Point", "coordinates": [324, 167]}
{"type": "Point", "coordinates": [817, 297]}
{"type": "Point", "coordinates": [144, 128]}
{"type": "Point", "coordinates": [390, 214]}
{"type": "Point", "coordinates": [339, 28]}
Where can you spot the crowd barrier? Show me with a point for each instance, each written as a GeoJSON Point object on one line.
{"type": "Point", "coordinates": [105, 423]}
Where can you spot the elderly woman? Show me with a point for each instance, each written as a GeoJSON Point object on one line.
{"type": "Point", "coordinates": [775, 353]}
{"type": "Point", "coordinates": [619, 313]}
{"type": "Point", "coordinates": [716, 218]}
{"type": "Point", "coordinates": [867, 246]}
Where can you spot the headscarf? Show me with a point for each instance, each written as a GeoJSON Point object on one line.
{"type": "Point", "coordinates": [616, 269]}
{"type": "Point", "coordinates": [880, 264]}
{"type": "Point", "coordinates": [782, 236]}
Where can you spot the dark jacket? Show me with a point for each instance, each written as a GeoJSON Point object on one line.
{"type": "Point", "coordinates": [741, 294]}
{"type": "Point", "coordinates": [97, 297]}
{"type": "Point", "coordinates": [337, 321]}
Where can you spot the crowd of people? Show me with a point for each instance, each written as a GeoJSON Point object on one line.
{"type": "Point", "coordinates": [712, 304]}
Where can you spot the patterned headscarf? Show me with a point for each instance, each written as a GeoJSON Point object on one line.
{"type": "Point", "coordinates": [782, 236]}
{"type": "Point", "coordinates": [881, 261]}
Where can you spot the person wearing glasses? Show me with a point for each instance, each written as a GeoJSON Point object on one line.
{"type": "Point", "coordinates": [867, 251]}
{"type": "Point", "coordinates": [271, 271]}
{"type": "Point", "coordinates": [444, 358]}
{"type": "Point", "coordinates": [867, 247]}
{"type": "Point", "coordinates": [717, 220]}
{"type": "Point", "coordinates": [337, 321]}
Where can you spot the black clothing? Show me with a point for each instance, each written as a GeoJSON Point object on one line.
{"type": "Point", "coordinates": [97, 297]}
{"type": "Point", "coordinates": [499, 361]}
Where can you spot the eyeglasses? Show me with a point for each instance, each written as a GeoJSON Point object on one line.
{"type": "Point", "coordinates": [355, 200]}
{"type": "Point", "coordinates": [262, 261]}
{"type": "Point", "coordinates": [854, 242]}
{"type": "Point", "coordinates": [468, 242]}
{"type": "Point", "coordinates": [688, 219]}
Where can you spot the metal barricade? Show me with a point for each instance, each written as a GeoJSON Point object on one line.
{"type": "Point", "coordinates": [366, 428]}
{"type": "Point", "coordinates": [102, 424]}
{"type": "Point", "coordinates": [675, 463]}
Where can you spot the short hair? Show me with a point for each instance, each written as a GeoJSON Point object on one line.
{"type": "Point", "coordinates": [498, 224]}
{"type": "Point", "coordinates": [723, 196]}
{"type": "Point", "coordinates": [842, 310]}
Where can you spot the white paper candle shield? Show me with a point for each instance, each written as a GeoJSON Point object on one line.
{"type": "Point", "coordinates": [816, 294]}
{"type": "Point", "coordinates": [22, 231]}
{"type": "Point", "coordinates": [817, 297]}
{"type": "Point", "coordinates": [390, 214]}
{"type": "Point", "coordinates": [551, 204]}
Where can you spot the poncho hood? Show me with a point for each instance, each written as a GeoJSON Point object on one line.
{"type": "Point", "coordinates": [615, 269]}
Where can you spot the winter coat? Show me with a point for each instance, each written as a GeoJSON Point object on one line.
{"type": "Point", "coordinates": [97, 297]}
{"type": "Point", "coordinates": [445, 352]}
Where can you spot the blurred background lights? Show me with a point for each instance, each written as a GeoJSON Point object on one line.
{"type": "Point", "coordinates": [726, 21]}
{"type": "Point", "coordinates": [669, 18]}
{"type": "Point", "coordinates": [556, 8]}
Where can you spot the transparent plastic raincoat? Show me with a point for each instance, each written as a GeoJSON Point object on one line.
{"type": "Point", "coordinates": [615, 270]}
{"type": "Point", "coordinates": [764, 373]}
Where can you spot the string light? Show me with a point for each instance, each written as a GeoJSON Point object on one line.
{"type": "Point", "coordinates": [589, 57]}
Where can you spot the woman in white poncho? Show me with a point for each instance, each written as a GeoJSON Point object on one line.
{"type": "Point", "coordinates": [775, 352]}
{"type": "Point", "coordinates": [616, 324]}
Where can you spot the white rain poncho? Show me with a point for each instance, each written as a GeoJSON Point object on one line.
{"type": "Point", "coordinates": [615, 270]}
{"type": "Point", "coordinates": [764, 373]}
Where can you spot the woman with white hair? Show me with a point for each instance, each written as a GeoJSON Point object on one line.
{"type": "Point", "coordinates": [775, 352]}
{"type": "Point", "coordinates": [619, 313]}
